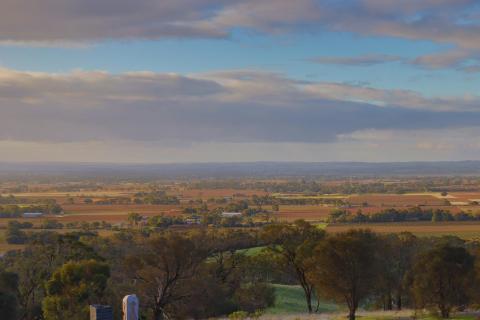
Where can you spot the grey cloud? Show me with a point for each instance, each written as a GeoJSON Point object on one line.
{"type": "Point", "coordinates": [90, 20]}
{"type": "Point", "coordinates": [456, 58]}
{"type": "Point", "coordinates": [364, 60]}
{"type": "Point", "coordinates": [245, 106]}
{"type": "Point", "coordinates": [446, 21]}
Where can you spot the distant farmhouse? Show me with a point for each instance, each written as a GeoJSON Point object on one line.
{"type": "Point", "coordinates": [231, 214]}
{"type": "Point", "coordinates": [32, 214]}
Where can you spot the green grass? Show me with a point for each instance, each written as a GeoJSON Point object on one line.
{"type": "Point", "coordinates": [252, 251]}
{"type": "Point", "coordinates": [322, 225]}
{"type": "Point", "coordinates": [290, 299]}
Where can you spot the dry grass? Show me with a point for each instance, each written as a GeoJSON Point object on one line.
{"type": "Point", "coordinates": [466, 230]}
{"type": "Point", "coordinates": [92, 209]}
{"type": "Point", "coordinates": [393, 200]}
{"type": "Point", "coordinates": [217, 193]}
{"type": "Point", "coordinates": [307, 212]}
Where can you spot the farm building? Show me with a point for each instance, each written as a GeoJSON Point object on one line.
{"type": "Point", "coordinates": [231, 214]}
{"type": "Point", "coordinates": [32, 214]}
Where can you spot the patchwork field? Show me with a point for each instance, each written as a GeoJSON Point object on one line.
{"type": "Point", "coordinates": [368, 203]}
{"type": "Point", "coordinates": [465, 230]}
{"type": "Point", "coordinates": [87, 209]}
{"type": "Point", "coordinates": [76, 210]}
{"type": "Point", "coordinates": [387, 200]}
{"type": "Point", "coordinates": [217, 193]}
{"type": "Point", "coordinates": [306, 212]}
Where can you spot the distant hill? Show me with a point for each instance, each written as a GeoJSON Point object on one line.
{"type": "Point", "coordinates": [239, 170]}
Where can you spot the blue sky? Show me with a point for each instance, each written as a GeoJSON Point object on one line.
{"type": "Point", "coordinates": [289, 54]}
{"type": "Point", "coordinates": [170, 81]}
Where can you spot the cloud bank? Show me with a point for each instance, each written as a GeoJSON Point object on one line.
{"type": "Point", "coordinates": [230, 106]}
{"type": "Point", "coordinates": [446, 21]}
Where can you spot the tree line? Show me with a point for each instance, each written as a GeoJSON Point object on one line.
{"type": "Point", "coordinates": [400, 215]}
{"type": "Point", "coordinates": [352, 186]}
{"type": "Point", "coordinates": [16, 211]}
{"type": "Point", "coordinates": [206, 272]}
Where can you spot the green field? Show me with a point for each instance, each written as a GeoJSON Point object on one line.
{"type": "Point", "coordinates": [290, 299]}
{"type": "Point", "coordinates": [251, 251]}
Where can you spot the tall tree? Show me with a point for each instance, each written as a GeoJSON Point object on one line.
{"type": "Point", "coordinates": [163, 270]}
{"type": "Point", "coordinates": [442, 278]}
{"type": "Point", "coordinates": [292, 245]}
{"type": "Point", "coordinates": [45, 252]}
{"type": "Point", "coordinates": [396, 255]}
{"type": "Point", "coordinates": [73, 287]}
{"type": "Point", "coordinates": [344, 269]}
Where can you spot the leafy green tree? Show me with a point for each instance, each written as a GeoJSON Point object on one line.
{"type": "Point", "coordinates": [45, 252]}
{"type": "Point", "coordinates": [443, 278]}
{"type": "Point", "coordinates": [292, 245]}
{"type": "Point", "coordinates": [73, 287]}
{"type": "Point", "coordinates": [344, 269]}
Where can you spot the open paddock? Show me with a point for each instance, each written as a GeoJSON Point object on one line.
{"type": "Point", "coordinates": [306, 212]}
{"type": "Point", "coordinates": [92, 209]}
{"type": "Point", "coordinates": [465, 196]}
{"type": "Point", "coordinates": [217, 193]}
{"type": "Point", "coordinates": [394, 200]}
{"type": "Point", "coordinates": [465, 230]}
{"type": "Point", "coordinates": [299, 196]}
{"type": "Point", "coordinates": [77, 195]}
{"type": "Point", "coordinates": [110, 218]}
{"type": "Point", "coordinates": [452, 209]}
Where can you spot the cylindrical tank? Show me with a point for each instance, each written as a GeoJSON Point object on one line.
{"type": "Point", "coordinates": [130, 307]}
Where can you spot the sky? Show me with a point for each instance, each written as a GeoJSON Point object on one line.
{"type": "Point", "coordinates": [161, 81]}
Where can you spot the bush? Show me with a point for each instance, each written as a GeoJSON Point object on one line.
{"type": "Point", "coordinates": [238, 315]}
{"type": "Point", "coordinates": [15, 236]}
{"type": "Point", "coordinates": [254, 297]}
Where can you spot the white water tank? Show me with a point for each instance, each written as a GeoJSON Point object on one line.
{"type": "Point", "coordinates": [130, 307]}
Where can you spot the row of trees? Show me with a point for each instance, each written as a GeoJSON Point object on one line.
{"type": "Point", "coordinates": [197, 274]}
{"type": "Point", "coordinates": [400, 215]}
{"type": "Point", "coordinates": [353, 186]}
{"type": "Point", "coordinates": [387, 271]}
{"type": "Point", "coordinates": [16, 211]}
{"type": "Point", "coordinates": [205, 273]}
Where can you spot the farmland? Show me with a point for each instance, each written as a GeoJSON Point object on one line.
{"type": "Point", "coordinates": [468, 230]}
{"type": "Point", "coordinates": [107, 217]}
{"type": "Point", "coordinates": [111, 203]}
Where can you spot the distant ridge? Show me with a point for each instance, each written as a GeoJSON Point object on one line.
{"type": "Point", "coordinates": [238, 170]}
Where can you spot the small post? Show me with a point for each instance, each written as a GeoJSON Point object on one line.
{"type": "Point", "coordinates": [101, 312]}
